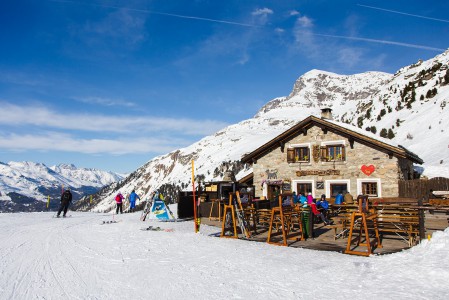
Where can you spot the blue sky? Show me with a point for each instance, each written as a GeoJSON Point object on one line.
{"type": "Point", "coordinates": [110, 84]}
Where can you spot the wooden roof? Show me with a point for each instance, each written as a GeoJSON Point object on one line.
{"type": "Point", "coordinates": [343, 130]}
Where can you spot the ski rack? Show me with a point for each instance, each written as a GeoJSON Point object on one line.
{"type": "Point", "coordinates": [361, 216]}
{"type": "Point", "coordinates": [229, 208]}
{"type": "Point", "coordinates": [284, 217]}
{"type": "Point", "coordinates": [236, 209]}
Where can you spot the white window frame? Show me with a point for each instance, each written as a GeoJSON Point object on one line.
{"type": "Point", "coordinates": [376, 180]}
{"type": "Point", "coordinates": [335, 143]}
{"type": "Point", "coordinates": [331, 143]}
{"type": "Point", "coordinates": [328, 183]}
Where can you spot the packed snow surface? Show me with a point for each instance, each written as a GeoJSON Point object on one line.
{"type": "Point", "coordinates": [80, 258]}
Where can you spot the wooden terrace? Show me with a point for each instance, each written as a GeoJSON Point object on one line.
{"type": "Point", "coordinates": [399, 223]}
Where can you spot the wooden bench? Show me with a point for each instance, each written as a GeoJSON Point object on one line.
{"type": "Point", "coordinates": [401, 221]}
{"type": "Point", "coordinates": [340, 222]}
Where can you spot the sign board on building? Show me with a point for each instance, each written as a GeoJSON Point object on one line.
{"type": "Point", "coordinates": [320, 185]}
{"type": "Point", "coordinates": [317, 172]}
{"type": "Point", "coordinates": [286, 187]}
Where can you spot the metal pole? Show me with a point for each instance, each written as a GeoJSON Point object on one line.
{"type": "Point", "coordinates": [422, 230]}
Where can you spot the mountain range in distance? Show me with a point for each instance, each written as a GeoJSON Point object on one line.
{"type": "Point", "coordinates": [26, 186]}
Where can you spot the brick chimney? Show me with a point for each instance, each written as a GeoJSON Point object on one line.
{"type": "Point", "coordinates": [326, 113]}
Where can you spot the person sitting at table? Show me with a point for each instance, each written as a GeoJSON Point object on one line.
{"type": "Point", "coordinates": [319, 214]}
{"type": "Point", "coordinates": [295, 198]}
{"type": "Point", "coordinates": [323, 204]}
{"type": "Point", "coordinates": [287, 201]}
{"type": "Point", "coordinates": [339, 199]}
{"type": "Point", "coordinates": [303, 199]}
{"type": "Point", "coordinates": [348, 199]}
{"type": "Point", "coordinates": [309, 198]}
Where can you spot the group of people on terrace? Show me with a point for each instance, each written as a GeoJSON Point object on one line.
{"type": "Point", "coordinates": [320, 207]}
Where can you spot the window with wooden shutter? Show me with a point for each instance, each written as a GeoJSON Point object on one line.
{"type": "Point", "coordinates": [323, 150]}
{"type": "Point", "coordinates": [333, 153]}
{"type": "Point", "coordinates": [290, 155]}
{"type": "Point", "coordinates": [298, 154]}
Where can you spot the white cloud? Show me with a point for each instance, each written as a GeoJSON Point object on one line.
{"type": "Point", "coordinates": [262, 12]}
{"type": "Point", "coordinates": [261, 15]}
{"type": "Point", "coordinates": [67, 143]}
{"type": "Point", "coordinates": [305, 22]}
{"type": "Point", "coordinates": [19, 116]}
{"type": "Point", "coordinates": [293, 13]}
{"type": "Point", "coordinates": [106, 101]}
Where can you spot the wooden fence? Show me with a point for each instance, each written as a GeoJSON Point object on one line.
{"type": "Point", "coordinates": [420, 188]}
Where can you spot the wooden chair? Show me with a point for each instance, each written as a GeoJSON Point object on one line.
{"type": "Point", "coordinates": [360, 218]}
{"type": "Point", "coordinates": [282, 218]}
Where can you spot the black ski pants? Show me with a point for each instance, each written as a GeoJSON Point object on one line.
{"type": "Point", "coordinates": [119, 207]}
{"type": "Point", "coordinates": [64, 206]}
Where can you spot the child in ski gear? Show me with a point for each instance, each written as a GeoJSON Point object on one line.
{"type": "Point", "coordinates": [132, 200]}
{"type": "Point", "coordinates": [119, 201]}
{"type": "Point", "coordinates": [66, 199]}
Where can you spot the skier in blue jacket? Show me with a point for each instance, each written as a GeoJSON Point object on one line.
{"type": "Point", "coordinates": [132, 201]}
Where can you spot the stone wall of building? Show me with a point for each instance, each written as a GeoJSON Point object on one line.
{"type": "Point", "coordinates": [386, 169]}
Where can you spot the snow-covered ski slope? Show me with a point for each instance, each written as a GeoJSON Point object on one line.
{"type": "Point", "coordinates": [77, 258]}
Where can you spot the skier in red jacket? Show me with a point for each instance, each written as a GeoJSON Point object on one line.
{"type": "Point", "coordinates": [119, 201]}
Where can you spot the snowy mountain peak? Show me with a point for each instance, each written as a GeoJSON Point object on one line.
{"type": "Point", "coordinates": [30, 181]}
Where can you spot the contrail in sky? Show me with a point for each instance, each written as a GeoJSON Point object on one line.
{"type": "Point", "coordinates": [381, 42]}
{"type": "Point", "coordinates": [403, 13]}
{"type": "Point", "coordinates": [159, 13]}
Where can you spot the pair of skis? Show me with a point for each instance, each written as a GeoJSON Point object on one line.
{"type": "Point", "coordinates": [243, 224]}
{"type": "Point", "coordinates": [152, 228]}
{"type": "Point", "coordinates": [146, 210]}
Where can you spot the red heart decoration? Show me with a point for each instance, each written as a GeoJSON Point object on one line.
{"type": "Point", "coordinates": [368, 170]}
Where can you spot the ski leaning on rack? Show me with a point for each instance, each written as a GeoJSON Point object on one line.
{"type": "Point", "coordinates": [241, 216]}
{"type": "Point", "coordinates": [146, 210]}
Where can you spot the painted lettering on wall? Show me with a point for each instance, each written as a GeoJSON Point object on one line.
{"type": "Point", "coordinates": [317, 172]}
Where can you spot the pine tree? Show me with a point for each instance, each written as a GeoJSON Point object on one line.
{"type": "Point", "coordinates": [384, 133]}
{"type": "Point", "coordinates": [390, 134]}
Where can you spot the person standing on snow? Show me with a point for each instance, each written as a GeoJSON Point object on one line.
{"type": "Point", "coordinates": [66, 199]}
{"type": "Point", "coordinates": [119, 201]}
{"type": "Point", "coordinates": [132, 200]}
